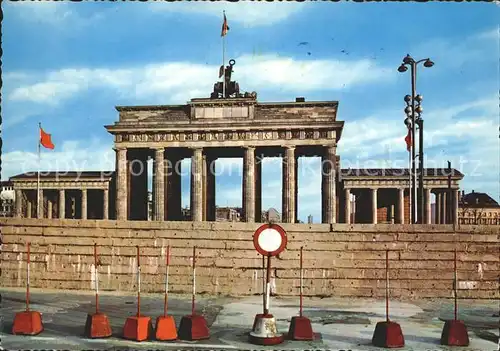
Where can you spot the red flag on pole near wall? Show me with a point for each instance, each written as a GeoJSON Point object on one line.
{"type": "Point", "coordinates": [408, 140]}
{"type": "Point", "coordinates": [45, 139]}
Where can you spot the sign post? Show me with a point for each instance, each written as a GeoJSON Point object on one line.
{"type": "Point", "coordinates": [269, 240]}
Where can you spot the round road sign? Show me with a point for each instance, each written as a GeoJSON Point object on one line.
{"type": "Point", "coordinates": [269, 239]}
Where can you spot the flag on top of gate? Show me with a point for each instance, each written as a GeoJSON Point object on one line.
{"type": "Point", "coordinates": [225, 27]}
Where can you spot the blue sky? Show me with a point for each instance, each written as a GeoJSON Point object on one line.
{"type": "Point", "coordinates": [67, 65]}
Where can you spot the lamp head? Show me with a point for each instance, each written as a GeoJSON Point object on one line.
{"type": "Point", "coordinates": [408, 59]}
{"type": "Point", "coordinates": [428, 63]}
{"type": "Point", "coordinates": [407, 98]}
{"type": "Point", "coordinates": [408, 110]}
{"type": "Point", "coordinates": [419, 109]}
{"type": "Point", "coordinates": [402, 68]}
{"type": "Point", "coordinates": [408, 122]}
{"type": "Point", "coordinates": [419, 98]}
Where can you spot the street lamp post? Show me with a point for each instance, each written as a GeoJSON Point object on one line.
{"type": "Point", "coordinates": [414, 111]}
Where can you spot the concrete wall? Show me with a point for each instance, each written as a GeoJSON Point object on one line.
{"type": "Point", "coordinates": [348, 261]}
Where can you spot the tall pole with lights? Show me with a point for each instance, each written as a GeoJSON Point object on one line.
{"type": "Point", "coordinates": [413, 111]}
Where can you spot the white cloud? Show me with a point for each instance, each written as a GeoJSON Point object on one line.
{"type": "Point", "coordinates": [180, 80]}
{"type": "Point", "coordinates": [71, 155]}
{"type": "Point", "coordinates": [449, 54]}
{"type": "Point", "coordinates": [492, 34]}
{"type": "Point", "coordinates": [53, 13]}
{"type": "Point", "coordinates": [249, 14]}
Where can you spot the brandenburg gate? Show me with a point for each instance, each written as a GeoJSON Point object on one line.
{"type": "Point", "coordinates": [205, 129]}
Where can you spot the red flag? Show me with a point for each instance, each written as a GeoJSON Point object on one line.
{"type": "Point", "coordinates": [45, 139]}
{"type": "Point", "coordinates": [408, 140]}
{"type": "Point", "coordinates": [225, 27]}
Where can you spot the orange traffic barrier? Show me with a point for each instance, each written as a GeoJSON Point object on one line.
{"type": "Point", "coordinates": [193, 327]}
{"type": "Point", "coordinates": [300, 327]}
{"type": "Point", "coordinates": [97, 324]}
{"type": "Point", "coordinates": [27, 322]}
{"type": "Point", "coordinates": [388, 334]}
{"type": "Point", "coordinates": [165, 325]}
{"type": "Point", "coordinates": [137, 327]}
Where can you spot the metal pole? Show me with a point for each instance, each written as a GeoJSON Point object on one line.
{"type": "Point", "coordinates": [300, 312]}
{"type": "Point", "coordinates": [28, 280]}
{"type": "Point", "coordinates": [268, 284]}
{"type": "Point", "coordinates": [264, 284]}
{"type": "Point", "coordinates": [138, 284]}
{"type": "Point", "coordinates": [413, 126]}
{"type": "Point", "coordinates": [421, 171]}
{"type": "Point", "coordinates": [448, 197]}
{"type": "Point", "coordinates": [455, 284]}
{"type": "Point", "coordinates": [410, 188]}
{"type": "Point", "coordinates": [387, 285]}
{"type": "Point", "coordinates": [96, 281]}
{"type": "Point", "coordinates": [166, 281]}
{"type": "Point", "coordinates": [194, 280]}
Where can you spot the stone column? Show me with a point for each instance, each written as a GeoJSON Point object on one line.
{"type": "Point", "coordinates": [19, 202]}
{"type": "Point", "coordinates": [84, 203]}
{"type": "Point", "coordinates": [329, 184]}
{"type": "Point", "coordinates": [374, 206]}
{"type": "Point", "coordinates": [204, 189]}
{"type": "Point", "coordinates": [428, 210]}
{"type": "Point", "coordinates": [105, 207]}
{"type": "Point", "coordinates": [288, 187]}
{"type": "Point", "coordinates": [28, 209]}
{"type": "Point", "coordinates": [348, 206]}
{"type": "Point", "coordinates": [121, 184]}
{"type": "Point", "coordinates": [49, 208]}
{"type": "Point", "coordinates": [153, 193]}
{"type": "Point", "coordinates": [159, 185]}
{"type": "Point", "coordinates": [39, 204]}
{"type": "Point", "coordinates": [249, 184]}
{"type": "Point", "coordinates": [437, 207]}
{"type": "Point", "coordinates": [62, 204]}
{"type": "Point", "coordinates": [258, 187]}
{"type": "Point", "coordinates": [296, 190]}
{"type": "Point", "coordinates": [455, 207]}
{"type": "Point", "coordinates": [196, 185]}
{"type": "Point", "coordinates": [401, 205]}
{"type": "Point", "coordinates": [354, 208]}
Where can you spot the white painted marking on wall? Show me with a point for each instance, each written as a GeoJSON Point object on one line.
{"type": "Point", "coordinates": [79, 265]}
{"type": "Point", "coordinates": [480, 270]}
{"type": "Point", "coordinates": [467, 285]}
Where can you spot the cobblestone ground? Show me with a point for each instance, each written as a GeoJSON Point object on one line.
{"type": "Point", "coordinates": [339, 323]}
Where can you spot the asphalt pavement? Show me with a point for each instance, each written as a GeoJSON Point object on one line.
{"type": "Point", "coordinates": [339, 323]}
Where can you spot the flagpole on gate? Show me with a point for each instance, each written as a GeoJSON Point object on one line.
{"type": "Point", "coordinates": [38, 214]}
{"type": "Point", "coordinates": [223, 56]}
